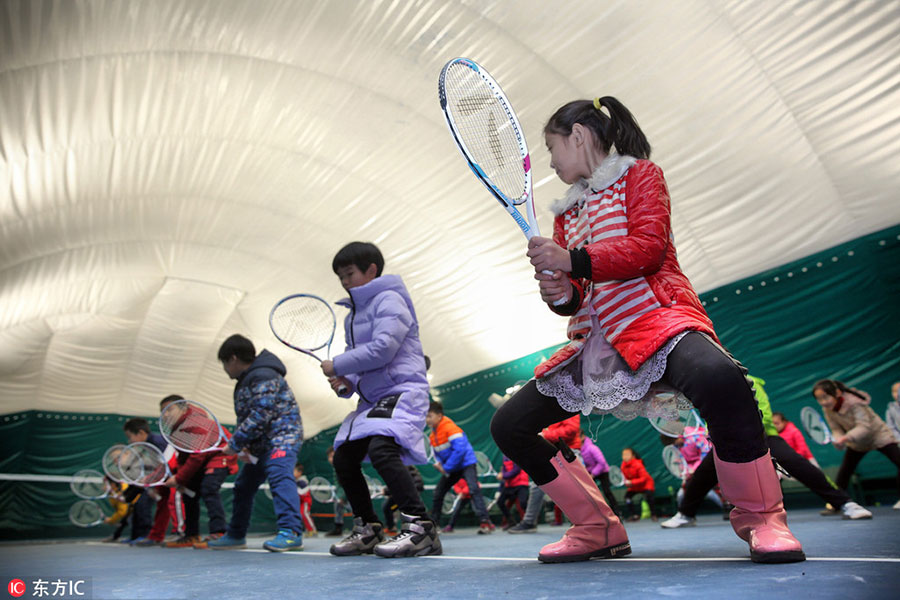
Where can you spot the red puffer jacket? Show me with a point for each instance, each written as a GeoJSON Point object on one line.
{"type": "Point", "coordinates": [646, 251]}
{"type": "Point", "coordinates": [639, 479]}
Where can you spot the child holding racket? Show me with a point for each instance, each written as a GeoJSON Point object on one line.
{"type": "Point", "coordinates": [138, 430]}
{"type": "Point", "coordinates": [856, 427]}
{"type": "Point", "coordinates": [385, 366]}
{"type": "Point", "coordinates": [637, 481]}
{"type": "Point", "coordinates": [269, 426]}
{"type": "Point", "coordinates": [634, 321]}
{"type": "Point", "coordinates": [513, 491]}
{"type": "Point", "coordinates": [202, 472]}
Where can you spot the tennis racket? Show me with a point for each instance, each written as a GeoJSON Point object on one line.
{"type": "Point", "coordinates": [451, 501]}
{"type": "Point", "coordinates": [86, 513]}
{"type": "Point", "coordinates": [675, 462]}
{"type": "Point", "coordinates": [674, 423]}
{"type": "Point", "coordinates": [305, 323]}
{"type": "Point", "coordinates": [376, 487]}
{"type": "Point", "coordinates": [616, 477]}
{"type": "Point", "coordinates": [321, 490]}
{"type": "Point", "coordinates": [484, 466]}
{"type": "Point", "coordinates": [110, 463]}
{"type": "Point", "coordinates": [145, 465]}
{"type": "Point", "coordinates": [485, 128]}
{"type": "Point", "coordinates": [191, 427]}
{"type": "Point", "coordinates": [815, 425]}
{"type": "Point", "coordinates": [89, 484]}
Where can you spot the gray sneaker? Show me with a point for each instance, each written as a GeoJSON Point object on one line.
{"type": "Point", "coordinates": [418, 537]}
{"type": "Point", "coordinates": [362, 539]}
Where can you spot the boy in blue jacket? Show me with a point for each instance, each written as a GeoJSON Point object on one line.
{"type": "Point", "coordinates": [269, 427]}
{"type": "Point", "coordinates": [385, 366]}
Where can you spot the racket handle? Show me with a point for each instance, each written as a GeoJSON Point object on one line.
{"type": "Point", "coordinates": [187, 492]}
{"type": "Point", "coordinates": [343, 389]}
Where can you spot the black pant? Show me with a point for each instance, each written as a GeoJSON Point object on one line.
{"type": "Point", "coordinates": [208, 485]}
{"type": "Point", "coordinates": [852, 458]}
{"type": "Point", "coordinates": [603, 481]}
{"type": "Point", "coordinates": [384, 452]}
{"type": "Point", "coordinates": [512, 495]}
{"type": "Point", "coordinates": [445, 484]}
{"type": "Point", "coordinates": [142, 516]}
{"type": "Point", "coordinates": [705, 478]}
{"type": "Point", "coordinates": [390, 505]}
{"type": "Point", "coordinates": [715, 383]}
{"type": "Point", "coordinates": [629, 503]}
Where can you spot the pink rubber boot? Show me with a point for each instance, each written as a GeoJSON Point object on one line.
{"type": "Point", "coordinates": [596, 530]}
{"type": "Point", "coordinates": [758, 515]}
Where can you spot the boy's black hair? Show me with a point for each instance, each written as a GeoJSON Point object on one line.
{"type": "Point", "coordinates": [436, 407]}
{"type": "Point", "coordinates": [170, 398]}
{"type": "Point", "coordinates": [361, 254]}
{"type": "Point", "coordinates": [136, 425]}
{"type": "Point", "coordinates": [237, 345]}
{"type": "Point", "coordinates": [667, 440]}
{"type": "Point", "coordinates": [780, 415]}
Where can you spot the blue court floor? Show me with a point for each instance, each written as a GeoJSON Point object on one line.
{"type": "Point", "coordinates": [846, 559]}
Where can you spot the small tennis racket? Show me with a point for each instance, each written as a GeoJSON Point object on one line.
{"type": "Point", "coordinates": [487, 132]}
{"type": "Point", "coordinates": [375, 485]}
{"type": "Point", "coordinates": [674, 426]}
{"type": "Point", "coordinates": [86, 513]}
{"type": "Point", "coordinates": [484, 466]}
{"type": "Point", "coordinates": [675, 462]}
{"type": "Point", "coordinates": [145, 465]}
{"type": "Point", "coordinates": [616, 477]}
{"type": "Point", "coordinates": [110, 463]}
{"type": "Point", "coordinates": [89, 484]}
{"type": "Point", "coordinates": [321, 490]}
{"type": "Point", "coordinates": [451, 501]}
{"type": "Point", "coordinates": [815, 425]}
{"type": "Point", "coordinates": [191, 427]}
{"type": "Point", "coordinates": [305, 323]}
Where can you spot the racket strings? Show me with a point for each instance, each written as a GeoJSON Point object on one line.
{"type": "Point", "coordinates": [304, 323]}
{"type": "Point", "coordinates": [485, 128]}
{"type": "Point", "coordinates": [189, 427]}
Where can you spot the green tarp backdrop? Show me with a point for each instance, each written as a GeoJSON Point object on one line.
{"type": "Point", "coordinates": [835, 314]}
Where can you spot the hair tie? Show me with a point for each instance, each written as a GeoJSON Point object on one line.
{"type": "Point", "coordinates": [597, 104]}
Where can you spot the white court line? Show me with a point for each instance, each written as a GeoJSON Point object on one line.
{"type": "Point", "coordinates": [619, 560]}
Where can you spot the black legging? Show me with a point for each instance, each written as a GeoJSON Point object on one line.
{"type": "Point", "coordinates": [384, 452]}
{"type": "Point", "coordinates": [715, 383]}
{"type": "Point", "coordinates": [705, 478]}
{"type": "Point", "coordinates": [852, 458]}
{"type": "Point", "coordinates": [603, 480]}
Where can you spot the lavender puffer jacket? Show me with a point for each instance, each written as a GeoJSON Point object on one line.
{"type": "Point", "coordinates": [385, 365]}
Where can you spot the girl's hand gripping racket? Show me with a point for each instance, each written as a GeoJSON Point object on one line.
{"type": "Point", "coordinates": [305, 323]}
{"type": "Point", "coordinates": [487, 132]}
{"type": "Point", "coordinates": [145, 465]}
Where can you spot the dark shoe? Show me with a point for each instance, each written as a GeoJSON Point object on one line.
{"type": "Point", "coordinates": [418, 537]}
{"type": "Point", "coordinates": [362, 539]}
{"type": "Point", "coordinates": [336, 532]}
{"type": "Point", "coordinates": [522, 527]}
{"type": "Point", "coordinates": [486, 528]}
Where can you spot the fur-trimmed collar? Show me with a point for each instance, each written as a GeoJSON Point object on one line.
{"type": "Point", "coordinates": [607, 173]}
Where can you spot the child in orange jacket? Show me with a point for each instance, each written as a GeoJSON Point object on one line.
{"type": "Point", "coordinates": [638, 481]}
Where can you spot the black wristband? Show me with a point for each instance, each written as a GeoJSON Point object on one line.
{"type": "Point", "coordinates": [581, 263]}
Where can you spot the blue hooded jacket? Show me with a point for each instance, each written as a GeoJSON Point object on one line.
{"type": "Point", "coordinates": [267, 413]}
{"type": "Point", "coordinates": [385, 366]}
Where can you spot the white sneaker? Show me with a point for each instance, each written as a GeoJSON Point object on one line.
{"type": "Point", "coordinates": [897, 505]}
{"type": "Point", "coordinates": [854, 511]}
{"type": "Point", "coordinates": [679, 520]}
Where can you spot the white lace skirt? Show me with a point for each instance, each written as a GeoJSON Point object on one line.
{"type": "Point", "coordinates": [599, 380]}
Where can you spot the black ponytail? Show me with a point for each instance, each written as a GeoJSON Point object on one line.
{"type": "Point", "coordinates": [619, 129]}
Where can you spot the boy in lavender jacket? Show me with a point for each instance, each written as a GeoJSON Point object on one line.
{"type": "Point", "coordinates": [385, 366]}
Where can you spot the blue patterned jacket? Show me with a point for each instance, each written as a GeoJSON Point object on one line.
{"type": "Point", "coordinates": [268, 417]}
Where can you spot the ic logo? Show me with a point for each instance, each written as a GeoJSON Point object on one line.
{"type": "Point", "coordinates": [16, 588]}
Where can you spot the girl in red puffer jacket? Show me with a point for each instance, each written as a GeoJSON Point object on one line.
{"type": "Point", "coordinates": [636, 328]}
{"type": "Point", "coordinates": [638, 481]}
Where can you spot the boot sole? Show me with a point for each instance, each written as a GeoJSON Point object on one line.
{"type": "Point", "coordinates": [291, 549]}
{"type": "Point", "coordinates": [616, 551]}
{"type": "Point", "coordinates": [773, 558]}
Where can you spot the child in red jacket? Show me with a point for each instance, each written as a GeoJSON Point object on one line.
{"type": "Point", "coordinates": [638, 481]}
